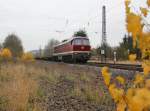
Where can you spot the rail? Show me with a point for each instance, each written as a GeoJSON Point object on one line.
{"type": "Point", "coordinates": [130, 67]}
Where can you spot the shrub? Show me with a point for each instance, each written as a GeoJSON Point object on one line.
{"type": "Point", "coordinates": [27, 57]}
{"type": "Point", "coordinates": [5, 54]}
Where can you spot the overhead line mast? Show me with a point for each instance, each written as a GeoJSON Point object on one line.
{"type": "Point", "coordinates": [103, 25]}
{"type": "Point", "coordinates": [104, 39]}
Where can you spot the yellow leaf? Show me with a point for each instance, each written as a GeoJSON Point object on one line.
{"type": "Point", "coordinates": [144, 44]}
{"type": "Point", "coordinates": [148, 3]}
{"type": "Point", "coordinates": [120, 79]}
{"type": "Point", "coordinates": [146, 70]}
{"type": "Point", "coordinates": [130, 93]}
{"type": "Point", "coordinates": [144, 11]}
{"type": "Point", "coordinates": [116, 93]}
{"type": "Point", "coordinates": [106, 78]}
{"type": "Point", "coordinates": [127, 2]}
{"type": "Point", "coordinates": [106, 75]}
{"type": "Point", "coordinates": [147, 84]}
{"type": "Point", "coordinates": [132, 57]}
{"type": "Point", "coordinates": [121, 105]}
{"type": "Point", "coordinates": [127, 10]}
{"type": "Point", "coordinates": [105, 70]}
{"type": "Point", "coordinates": [139, 79]}
{"type": "Point", "coordinates": [141, 100]}
{"type": "Point", "coordinates": [138, 99]}
{"type": "Point", "coordinates": [134, 25]}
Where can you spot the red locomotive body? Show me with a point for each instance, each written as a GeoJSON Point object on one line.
{"type": "Point", "coordinates": [76, 49]}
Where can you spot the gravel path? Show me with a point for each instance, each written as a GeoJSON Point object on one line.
{"type": "Point", "coordinates": [59, 98]}
{"type": "Point", "coordinates": [58, 95]}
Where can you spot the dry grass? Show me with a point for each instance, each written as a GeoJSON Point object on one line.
{"type": "Point", "coordinates": [20, 84]}
{"type": "Point", "coordinates": [88, 87]}
{"type": "Point", "coordinates": [17, 88]}
{"type": "Point", "coordinates": [92, 94]}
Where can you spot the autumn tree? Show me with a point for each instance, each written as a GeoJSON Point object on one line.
{"type": "Point", "coordinates": [14, 43]}
{"type": "Point", "coordinates": [136, 95]}
{"type": "Point", "coordinates": [27, 57]}
{"type": "Point", "coordinates": [49, 48]}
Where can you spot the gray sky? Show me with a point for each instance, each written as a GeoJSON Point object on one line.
{"type": "Point", "coordinates": [36, 21]}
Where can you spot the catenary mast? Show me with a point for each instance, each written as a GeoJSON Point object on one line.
{"type": "Point", "coordinates": [104, 39]}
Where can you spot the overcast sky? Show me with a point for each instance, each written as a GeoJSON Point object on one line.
{"type": "Point", "coordinates": [37, 21]}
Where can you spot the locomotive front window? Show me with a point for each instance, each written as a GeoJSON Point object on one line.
{"type": "Point", "coordinates": [80, 42]}
{"type": "Point", "coordinates": [77, 42]}
{"type": "Point", "coordinates": [86, 42]}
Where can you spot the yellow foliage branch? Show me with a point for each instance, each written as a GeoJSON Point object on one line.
{"type": "Point", "coordinates": [137, 96]}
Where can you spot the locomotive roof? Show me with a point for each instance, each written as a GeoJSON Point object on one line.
{"type": "Point", "coordinates": [68, 40]}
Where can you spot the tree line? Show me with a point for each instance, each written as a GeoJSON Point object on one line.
{"type": "Point", "coordinates": [125, 47]}
{"type": "Point", "coordinates": [14, 44]}
{"type": "Point", "coordinates": [123, 50]}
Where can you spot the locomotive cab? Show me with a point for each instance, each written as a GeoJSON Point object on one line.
{"type": "Point", "coordinates": [81, 41]}
{"type": "Point", "coordinates": [81, 48]}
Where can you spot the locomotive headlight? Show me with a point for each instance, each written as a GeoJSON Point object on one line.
{"type": "Point", "coordinates": [82, 47]}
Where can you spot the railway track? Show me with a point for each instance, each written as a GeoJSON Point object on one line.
{"type": "Point", "coordinates": [130, 67]}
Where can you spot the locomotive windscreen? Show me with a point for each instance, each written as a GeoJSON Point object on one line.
{"type": "Point", "coordinates": [80, 41]}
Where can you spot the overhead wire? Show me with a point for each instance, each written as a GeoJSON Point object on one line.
{"type": "Point", "coordinates": [147, 25]}
{"type": "Point", "coordinates": [88, 22]}
{"type": "Point", "coordinates": [108, 11]}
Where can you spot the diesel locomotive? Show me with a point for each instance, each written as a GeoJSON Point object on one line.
{"type": "Point", "coordinates": [75, 49]}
